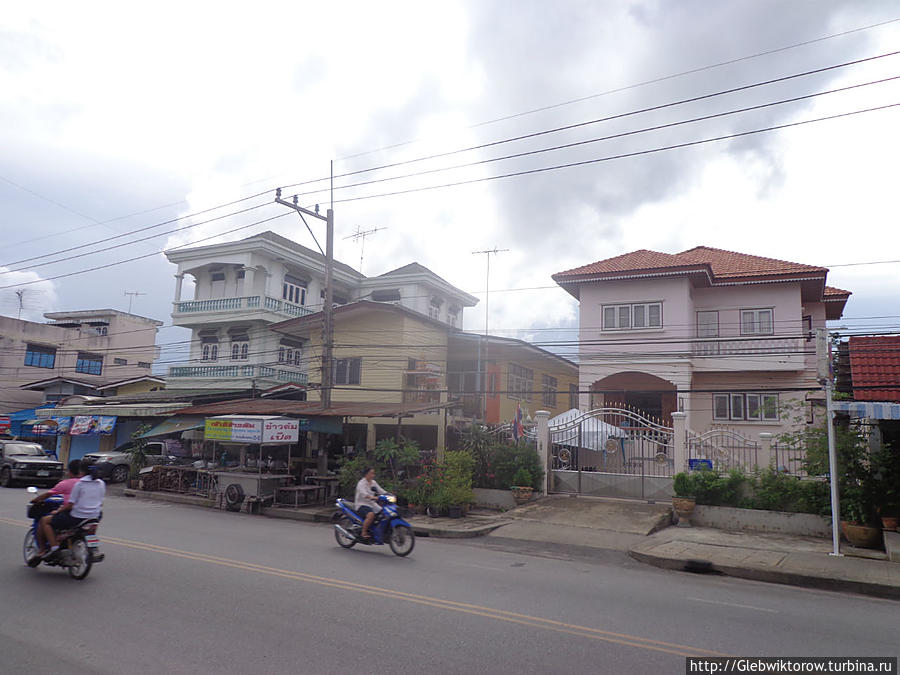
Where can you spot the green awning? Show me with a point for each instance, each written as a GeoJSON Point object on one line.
{"type": "Point", "coordinates": [176, 424]}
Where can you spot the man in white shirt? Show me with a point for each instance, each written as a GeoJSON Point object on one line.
{"type": "Point", "coordinates": [366, 506]}
{"type": "Point", "coordinates": [86, 501]}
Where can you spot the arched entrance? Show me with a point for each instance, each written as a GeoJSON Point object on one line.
{"type": "Point", "coordinates": [652, 396]}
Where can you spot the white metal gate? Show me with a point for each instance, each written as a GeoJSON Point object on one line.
{"type": "Point", "coordinates": [612, 452]}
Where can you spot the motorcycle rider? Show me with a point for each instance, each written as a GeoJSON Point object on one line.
{"type": "Point", "coordinates": [86, 501]}
{"type": "Point", "coordinates": [64, 488]}
{"type": "Point", "coordinates": [366, 505]}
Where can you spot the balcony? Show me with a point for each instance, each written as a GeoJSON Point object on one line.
{"type": "Point", "coordinates": [250, 303]}
{"type": "Point", "coordinates": [742, 353]}
{"type": "Point", "coordinates": [236, 372]}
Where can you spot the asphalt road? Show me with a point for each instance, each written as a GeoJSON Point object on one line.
{"type": "Point", "coordinates": [189, 590]}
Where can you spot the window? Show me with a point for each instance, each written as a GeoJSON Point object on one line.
{"type": "Point", "coordinates": [707, 324]}
{"type": "Point", "coordinates": [290, 352]}
{"type": "Point", "coordinates": [240, 350]}
{"type": "Point", "coordinates": [92, 364]}
{"type": "Point", "coordinates": [386, 296]}
{"type": "Point", "coordinates": [294, 290]}
{"type": "Point", "coordinates": [210, 348]}
{"type": "Point", "coordinates": [239, 277]}
{"type": "Point", "coordinates": [39, 356]}
{"type": "Point", "coordinates": [573, 396]}
{"type": "Point", "coordinates": [217, 283]}
{"type": "Point", "coordinates": [120, 362]}
{"type": "Point", "coordinates": [753, 407]}
{"type": "Point", "coordinates": [452, 315]}
{"type": "Point", "coordinates": [144, 364]}
{"type": "Point", "coordinates": [642, 315]}
{"type": "Point", "coordinates": [434, 308]}
{"type": "Point", "coordinates": [347, 371]}
{"type": "Point", "coordinates": [102, 330]}
{"type": "Point", "coordinates": [757, 322]}
{"type": "Point", "coordinates": [520, 383]}
{"type": "Point", "coordinates": [808, 329]}
{"type": "Point", "coordinates": [548, 390]}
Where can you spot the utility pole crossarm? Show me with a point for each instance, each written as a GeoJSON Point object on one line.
{"type": "Point", "coordinates": [328, 308]}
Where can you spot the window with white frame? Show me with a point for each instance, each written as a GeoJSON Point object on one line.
{"type": "Point", "coordinates": [217, 283]}
{"type": "Point", "coordinates": [708, 324]}
{"type": "Point", "coordinates": [747, 406]}
{"type": "Point", "coordinates": [290, 352]}
{"type": "Point", "coordinates": [294, 290]}
{"type": "Point", "coordinates": [434, 308]}
{"type": "Point", "coordinates": [632, 316]}
{"type": "Point", "coordinates": [757, 322]}
{"type": "Point", "coordinates": [209, 348]}
{"type": "Point", "coordinates": [347, 371]}
{"type": "Point", "coordinates": [453, 315]}
{"type": "Point", "coordinates": [240, 346]}
{"type": "Point", "coordinates": [520, 382]}
{"type": "Point", "coordinates": [548, 390]}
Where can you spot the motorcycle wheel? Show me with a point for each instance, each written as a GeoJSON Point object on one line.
{"type": "Point", "coordinates": [29, 548]}
{"type": "Point", "coordinates": [342, 541]}
{"type": "Point", "coordinates": [82, 560]}
{"type": "Point", "coordinates": [402, 540]}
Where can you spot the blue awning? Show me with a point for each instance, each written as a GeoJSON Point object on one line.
{"type": "Point", "coordinates": [24, 418]}
{"type": "Point", "coordinates": [868, 410]}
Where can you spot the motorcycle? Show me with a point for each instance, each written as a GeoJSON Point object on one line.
{"type": "Point", "coordinates": [79, 548]}
{"type": "Point", "coordinates": [388, 527]}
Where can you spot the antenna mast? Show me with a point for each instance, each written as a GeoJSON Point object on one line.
{"type": "Point", "coordinates": [133, 295]}
{"type": "Point", "coordinates": [361, 235]}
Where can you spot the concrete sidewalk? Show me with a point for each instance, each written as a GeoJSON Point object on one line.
{"type": "Point", "coordinates": [643, 531]}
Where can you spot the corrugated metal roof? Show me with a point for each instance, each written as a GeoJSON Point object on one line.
{"type": "Point", "coordinates": [267, 406]}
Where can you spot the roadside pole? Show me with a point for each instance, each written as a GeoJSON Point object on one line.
{"type": "Point", "coordinates": [823, 371]}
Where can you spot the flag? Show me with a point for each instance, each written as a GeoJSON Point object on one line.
{"type": "Point", "coordinates": [518, 427]}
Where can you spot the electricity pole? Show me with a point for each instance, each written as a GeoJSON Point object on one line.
{"type": "Point", "coordinates": [824, 375]}
{"type": "Point", "coordinates": [328, 309]}
{"type": "Point", "coordinates": [487, 294]}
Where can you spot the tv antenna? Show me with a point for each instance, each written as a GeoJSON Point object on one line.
{"type": "Point", "coordinates": [133, 295]}
{"type": "Point", "coordinates": [360, 235]}
{"type": "Point", "coordinates": [20, 294]}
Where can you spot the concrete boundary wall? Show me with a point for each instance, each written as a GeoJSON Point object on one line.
{"type": "Point", "coordinates": [776, 522]}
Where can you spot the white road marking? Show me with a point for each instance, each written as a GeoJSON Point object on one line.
{"type": "Point", "coordinates": [735, 604]}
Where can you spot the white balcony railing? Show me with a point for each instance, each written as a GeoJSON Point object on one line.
{"type": "Point", "coordinates": [743, 346]}
{"type": "Point", "coordinates": [241, 304]}
{"type": "Point", "coordinates": [230, 372]}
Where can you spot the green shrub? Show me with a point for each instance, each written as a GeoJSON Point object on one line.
{"type": "Point", "coordinates": [522, 477]}
{"type": "Point", "coordinates": [497, 464]}
{"type": "Point", "coordinates": [683, 485]}
{"type": "Point", "coordinates": [448, 482]}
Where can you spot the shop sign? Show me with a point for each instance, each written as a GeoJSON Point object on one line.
{"type": "Point", "coordinates": [92, 425]}
{"type": "Point", "coordinates": [5, 425]}
{"type": "Point", "coordinates": [281, 431]}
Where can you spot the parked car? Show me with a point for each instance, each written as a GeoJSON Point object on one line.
{"type": "Point", "coordinates": [22, 462]}
{"type": "Point", "coordinates": [115, 465]}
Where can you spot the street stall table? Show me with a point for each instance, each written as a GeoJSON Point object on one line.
{"type": "Point", "coordinates": [330, 484]}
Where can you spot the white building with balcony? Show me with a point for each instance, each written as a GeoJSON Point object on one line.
{"type": "Point", "coordinates": [724, 337]}
{"type": "Point", "coordinates": [236, 290]}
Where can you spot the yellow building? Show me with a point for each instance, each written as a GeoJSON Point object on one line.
{"type": "Point", "coordinates": [383, 353]}
{"type": "Point", "coordinates": [491, 376]}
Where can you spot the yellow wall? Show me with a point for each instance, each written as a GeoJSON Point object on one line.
{"type": "Point", "coordinates": [384, 341]}
{"type": "Point", "coordinates": [540, 365]}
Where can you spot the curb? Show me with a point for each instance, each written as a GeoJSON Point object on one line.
{"type": "Point", "coordinates": [769, 575]}
{"type": "Point", "coordinates": [321, 516]}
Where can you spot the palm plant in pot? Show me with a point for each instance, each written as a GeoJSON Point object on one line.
{"type": "Point", "coordinates": [684, 499]}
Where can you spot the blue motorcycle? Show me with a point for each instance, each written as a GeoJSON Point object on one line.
{"type": "Point", "coordinates": [388, 528]}
{"type": "Point", "coordinates": [78, 548]}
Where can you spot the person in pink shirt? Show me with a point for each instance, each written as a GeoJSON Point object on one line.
{"type": "Point", "coordinates": [64, 488]}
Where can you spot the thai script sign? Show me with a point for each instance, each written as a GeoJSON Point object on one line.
{"type": "Point", "coordinates": [248, 430]}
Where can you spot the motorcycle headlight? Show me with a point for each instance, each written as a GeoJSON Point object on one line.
{"type": "Point", "coordinates": [392, 499]}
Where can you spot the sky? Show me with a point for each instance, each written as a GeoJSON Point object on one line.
{"type": "Point", "coordinates": [115, 119]}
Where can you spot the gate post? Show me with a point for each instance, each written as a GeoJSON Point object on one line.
{"type": "Point", "coordinates": [543, 445]}
{"type": "Point", "coordinates": [765, 439]}
{"type": "Point", "coordinates": [679, 423]}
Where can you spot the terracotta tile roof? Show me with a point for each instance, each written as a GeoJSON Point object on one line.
{"type": "Point", "coordinates": [875, 368]}
{"type": "Point", "coordinates": [719, 263]}
{"type": "Point", "coordinates": [831, 291]}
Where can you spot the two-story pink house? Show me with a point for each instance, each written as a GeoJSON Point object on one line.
{"type": "Point", "coordinates": [724, 337]}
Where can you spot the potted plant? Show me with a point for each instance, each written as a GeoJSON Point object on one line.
{"type": "Point", "coordinates": [522, 485]}
{"type": "Point", "coordinates": [684, 499]}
